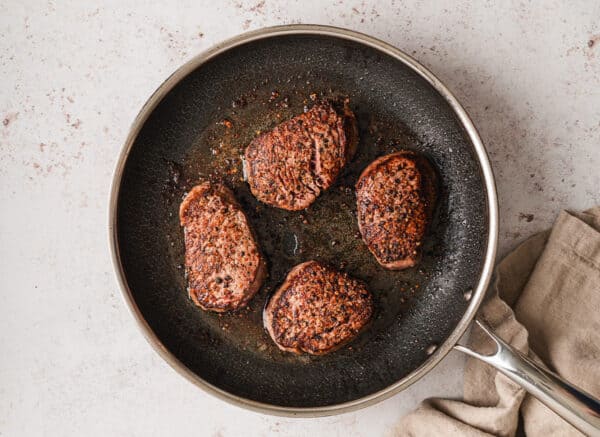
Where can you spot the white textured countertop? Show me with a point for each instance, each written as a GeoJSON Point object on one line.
{"type": "Point", "coordinates": [75, 75]}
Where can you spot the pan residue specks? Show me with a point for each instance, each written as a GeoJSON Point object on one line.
{"type": "Point", "coordinates": [326, 231]}
{"type": "Point", "coordinates": [199, 130]}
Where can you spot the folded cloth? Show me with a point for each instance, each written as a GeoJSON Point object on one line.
{"type": "Point", "coordinates": [544, 301]}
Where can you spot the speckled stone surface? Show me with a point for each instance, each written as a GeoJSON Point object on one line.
{"type": "Point", "coordinates": [73, 78]}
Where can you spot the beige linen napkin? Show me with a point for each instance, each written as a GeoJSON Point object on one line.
{"type": "Point", "coordinates": [545, 298]}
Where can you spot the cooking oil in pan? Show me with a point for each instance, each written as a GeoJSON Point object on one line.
{"type": "Point", "coordinates": [326, 231]}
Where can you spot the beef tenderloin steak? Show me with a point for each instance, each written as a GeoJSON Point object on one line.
{"type": "Point", "coordinates": [317, 309]}
{"type": "Point", "coordinates": [289, 166]}
{"type": "Point", "coordinates": [223, 264]}
{"type": "Point", "coordinates": [396, 196]}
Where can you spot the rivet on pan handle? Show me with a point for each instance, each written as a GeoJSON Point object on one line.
{"type": "Point", "coordinates": [573, 404]}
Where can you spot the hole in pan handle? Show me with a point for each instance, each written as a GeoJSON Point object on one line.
{"type": "Point", "coordinates": [572, 403]}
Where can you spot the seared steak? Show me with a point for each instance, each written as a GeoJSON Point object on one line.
{"type": "Point", "coordinates": [291, 165]}
{"type": "Point", "coordinates": [223, 265]}
{"type": "Point", "coordinates": [317, 309]}
{"type": "Point", "coordinates": [396, 196]}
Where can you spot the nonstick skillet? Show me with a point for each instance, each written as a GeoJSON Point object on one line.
{"type": "Point", "coordinates": [195, 127]}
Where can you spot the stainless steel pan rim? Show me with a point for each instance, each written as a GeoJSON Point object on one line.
{"type": "Point", "coordinates": [492, 206]}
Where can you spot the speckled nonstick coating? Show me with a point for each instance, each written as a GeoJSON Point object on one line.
{"type": "Point", "coordinates": [199, 131]}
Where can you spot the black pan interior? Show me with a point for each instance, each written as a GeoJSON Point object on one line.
{"type": "Point", "coordinates": [199, 131]}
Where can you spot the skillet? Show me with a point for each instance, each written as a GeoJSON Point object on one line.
{"type": "Point", "coordinates": [195, 127]}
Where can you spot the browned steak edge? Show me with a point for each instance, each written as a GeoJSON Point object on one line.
{"type": "Point", "coordinates": [271, 305]}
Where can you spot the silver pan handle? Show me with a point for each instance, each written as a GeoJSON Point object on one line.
{"type": "Point", "coordinates": [573, 404]}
